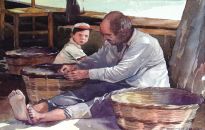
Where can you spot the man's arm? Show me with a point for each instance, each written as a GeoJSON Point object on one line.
{"type": "Point", "coordinates": [81, 70]}
{"type": "Point", "coordinates": [134, 59]}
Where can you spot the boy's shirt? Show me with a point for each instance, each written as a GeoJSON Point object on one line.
{"type": "Point", "coordinates": [70, 53]}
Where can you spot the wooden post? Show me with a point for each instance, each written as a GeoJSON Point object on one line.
{"type": "Point", "coordinates": [33, 26]}
{"type": "Point", "coordinates": [33, 4]}
{"type": "Point", "coordinates": [2, 15]}
{"type": "Point", "coordinates": [16, 31]}
{"type": "Point", "coordinates": [50, 29]}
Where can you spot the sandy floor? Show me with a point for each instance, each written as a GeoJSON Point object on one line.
{"type": "Point", "coordinates": [77, 124]}
{"type": "Point", "coordinates": [83, 124]}
{"type": "Point", "coordinates": [7, 122]}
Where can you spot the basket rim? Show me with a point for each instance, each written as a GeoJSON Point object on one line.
{"type": "Point", "coordinates": [158, 105]}
{"type": "Point", "coordinates": [52, 51]}
{"type": "Point", "coordinates": [54, 67]}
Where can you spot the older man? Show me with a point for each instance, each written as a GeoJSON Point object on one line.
{"type": "Point", "coordinates": [128, 59]}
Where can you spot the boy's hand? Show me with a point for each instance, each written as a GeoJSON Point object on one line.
{"type": "Point", "coordinates": [67, 68]}
{"type": "Point", "coordinates": [77, 75]}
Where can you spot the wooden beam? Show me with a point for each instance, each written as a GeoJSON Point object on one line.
{"type": "Point", "coordinates": [51, 9]}
{"type": "Point", "coordinates": [152, 23]}
{"type": "Point", "coordinates": [161, 32]}
{"type": "Point", "coordinates": [34, 32]}
{"type": "Point", "coordinates": [25, 12]}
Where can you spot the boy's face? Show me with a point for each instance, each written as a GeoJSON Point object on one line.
{"type": "Point", "coordinates": [81, 37]}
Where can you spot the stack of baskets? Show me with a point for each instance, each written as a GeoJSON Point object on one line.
{"type": "Point", "coordinates": [20, 58]}
{"type": "Point", "coordinates": [155, 108]}
{"type": "Point", "coordinates": [39, 74]}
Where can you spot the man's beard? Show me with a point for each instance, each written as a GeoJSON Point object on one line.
{"type": "Point", "coordinates": [118, 45]}
{"type": "Point", "coordinates": [116, 42]}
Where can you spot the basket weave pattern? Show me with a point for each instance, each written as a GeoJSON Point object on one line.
{"type": "Point", "coordinates": [155, 108]}
{"type": "Point", "coordinates": [45, 88]}
{"type": "Point", "coordinates": [24, 57]}
{"type": "Point", "coordinates": [15, 65]}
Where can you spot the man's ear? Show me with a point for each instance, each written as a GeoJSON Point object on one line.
{"type": "Point", "coordinates": [123, 34]}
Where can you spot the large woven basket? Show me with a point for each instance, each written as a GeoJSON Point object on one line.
{"type": "Point", "coordinates": [47, 83]}
{"type": "Point", "coordinates": [155, 108]}
{"type": "Point", "coordinates": [20, 58]}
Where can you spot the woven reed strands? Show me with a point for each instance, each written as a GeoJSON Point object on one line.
{"type": "Point", "coordinates": [155, 108]}
{"type": "Point", "coordinates": [43, 82]}
{"type": "Point", "coordinates": [20, 58]}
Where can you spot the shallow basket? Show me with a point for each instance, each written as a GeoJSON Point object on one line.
{"type": "Point", "coordinates": [20, 58]}
{"type": "Point", "coordinates": [155, 108]}
{"type": "Point", "coordinates": [47, 83]}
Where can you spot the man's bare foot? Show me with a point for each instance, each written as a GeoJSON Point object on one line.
{"type": "Point", "coordinates": [17, 102]}
{"type": "Point", "coordinates": [34, 116]}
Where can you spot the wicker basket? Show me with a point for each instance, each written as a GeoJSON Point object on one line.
{"type": "Point", "coordinates": [47, 83]}
{"type": "Point", "coordinates": [155, 108]}
{"type": "Point", "coordinates": [20, 58]}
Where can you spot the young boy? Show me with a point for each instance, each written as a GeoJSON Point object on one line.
{"type": "Point", "coordinates": [72, 52]}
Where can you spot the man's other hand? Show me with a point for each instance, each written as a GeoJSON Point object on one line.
{"type": "Point", "coordinates": [77, 75]}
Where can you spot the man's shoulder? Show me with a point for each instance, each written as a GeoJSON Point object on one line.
{"type": "Point", "coordinates": [144, 38]}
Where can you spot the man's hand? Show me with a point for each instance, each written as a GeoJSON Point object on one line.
{"type": "Point", "coordinates": [67, 68]}
{"type": "Point", "coordinates": [77, 75]}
